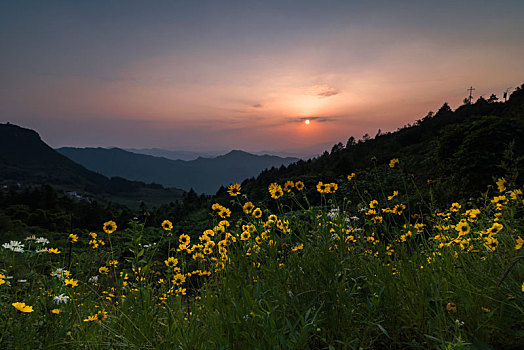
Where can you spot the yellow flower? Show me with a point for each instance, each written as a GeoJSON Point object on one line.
{"type": "Point", "coordinates": [257, 213]}
{"type": "Point", "coordinates": [351, 176]}
{"type": "Point", "coordinates": [22, 307]}
{"type": "Point", "coordinates": [491, 243]}
{"type": "Point", "coordinates": [109, 227]}
{"type": "Point", "coordinates": [321, 187]}
{"type": "Point", "coordinates": [55, 311]}
{"type": "Point", "coordinates": [53, 251]}
{"type": "Point", "coordinates": [171, 262]}
{"type": "Point", "coordinates": [103, 270]}
{"type": "Point", "coordinates": [167, 225]}
{"type": "Point", "coordinates": [373, 204]}
{"type": "Point", "coordinates": [451, 307]}
{"type": "Point", "coordinates": [299, 185]}
{"type": "Point", "coordinates": [522, 287]}
{"type": "Point", "coordinates": [501, 184]}
{"type": "Point", "coordinates": [275, 190]}
{"type": "Point", "coordinates": [72, 238]}
{"type": "Point", "coordinates": [393, 162]}
{"type": "Point", "coordinates": [395, 193]}
{"type": "Point", "coordinates": [178, 279]}
{"type": "Point", "coordinates": [455, 207]}
{"type": "Point", "coordinates": [245, 236]}
{"type": "Point", "coordinates": [463, 228]}
{"type": "Point", "coordinates": [493, 230]}
{"type": "Point", "coordinates": [248, 207]}
{"type": "Point", "coordinates": [92, 235]}
{"type": "Point", "coordinates": [298, 247]}
{"type": "Point", "coordinates": [99, 317]}
{"type": "Point", "coordinates": [288, 185]}
{"type": "Point", "coordinates": [520, 243]}
{"type": "Point", "coordinates": [71, 282]}
{"type": "Point", "coordinates": [93, 243]}
{"type": "Point", "coordinates": [184, 239]}
{"type": "Point", "coordinates": [234, 190]}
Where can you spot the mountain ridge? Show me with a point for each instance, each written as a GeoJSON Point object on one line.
{"type": "Point", "coordinates": [204, 175]}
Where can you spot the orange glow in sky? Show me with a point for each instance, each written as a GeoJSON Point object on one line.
{"type": "Point", "coordinates": [307, 122]}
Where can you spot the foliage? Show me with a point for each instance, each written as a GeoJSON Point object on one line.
{"type": "Point", "coordinates": [365, 268]}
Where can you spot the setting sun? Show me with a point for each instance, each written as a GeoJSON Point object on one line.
{"type": "Point", "coordinates": [307, 121]}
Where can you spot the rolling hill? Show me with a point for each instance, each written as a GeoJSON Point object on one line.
{"type": "Point", "coordinates": [26, 160]}
{"type": "Point", "coordinates": [204, 175]}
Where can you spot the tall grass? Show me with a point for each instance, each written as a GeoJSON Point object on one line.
{"type": "Point", "coordinates": [368, 273]}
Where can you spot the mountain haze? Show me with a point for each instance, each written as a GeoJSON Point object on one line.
{"type": "Point", "coordinates": [204, 175]}
{"type": "Point", "coordinates": [27, 160]}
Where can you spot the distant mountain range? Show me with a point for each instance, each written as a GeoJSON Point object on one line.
{"type": "Point", "coordinates": [192, 155]}
{"type": "Point", "coordinates": [204, 175]}
{"type": "Point", "coordinates": [26, 160]}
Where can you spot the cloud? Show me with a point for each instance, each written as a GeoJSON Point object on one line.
{"type": "Point", "coordinates": [257, 105]}
{"type": "Point", "coordinates": [322, 91]}
{"type": "Point", "coordinates": [317, 119]}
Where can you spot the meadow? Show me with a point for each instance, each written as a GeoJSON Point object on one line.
{"type": "Point", "coordinates": [375, 265]}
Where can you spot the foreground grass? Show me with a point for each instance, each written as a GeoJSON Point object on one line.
{"type": "Point", "coordinates": [374, 274]}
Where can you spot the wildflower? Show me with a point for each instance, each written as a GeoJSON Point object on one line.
{"type": "Point", "coordinates": [54, 251]}
{"type": "Point", "coordinates": [92, 235]}
{"type": "Point", "coordinates": [22, 307]}
{"type": "Point", "coordinates": [248, 207]}
{"type": "Point", "coordinates": [109, 227]}
{"type": "Point", "coordinates": [393, 162]}
{"type": "Point", "coordinates": [275, 190]}
{"type": "Point", "coordinates": [298, 247]}
{"type": "Point", "coordinates": [518, 246]}
{"type": "Point", "coordinates": [178, 279]}
{"type": "Point", "coordinates": [257, 213]}
{"type": "Point", "coordinates": [485, 309]}
{"type": "Point", "coordinates": [373, 204]}
{"type": "Point", "coordinates": [501, 184]}
{"type": "Point", "coordinates": [55, 311]}
{"type": "Point", "coordinates": [245, 236]}
{"type": "Point", "coordinates": [395, 193]}
{"type": "Point", "coordinates": [515, 193]}
{"type": "Point", "coordinates": [463, 228]}
{"type": "Point", "coordinates": [103, 270]}
{"type": "Point", "coordinates": [112, 263]}
{"type": "Point", "coordinates": [299, 185]}
{"type": "Point", "coordinates": [451, 307]}
{"type": "Point", "coordinates": [42, 240]}
{"type": "Point", "coordinates": [15, 246]}
{"type": "Point", "coordinates": [288, 185]}
{"type": "Point", "coordinates": [351, 176]}
{"type": "Point", "coordinates": [98, 317]}
{"type": "Point", "coordinates": [491, 243]}
{"type": "Point", "coordinates": [72, 238]}
{"type": "Point", "coordinates": [184, 239]}
{"type": "Point", "coordinates": [93, 243]}
{"type": "Point", "coordinates": [455, 207]}
{"type": "Point", "coordinates": [321, 187]}
{"type": "Point", "coordinates": [234, 190]}
{"type": "Point", "coordinates": [171, 262]}
{"type": "Point", "coordinates": [71, 282]}
{"type": "Point", "coordinates": [224, 213]}
{"type": "Point", "coordinates": [331, 187]}
{"type": "Point", "coordinates": [493, 230]}
{"type": "Point", "coordinates": [93, 279]}
{"type": "Point", "coordinates": [2, 279]}
{"type": "Point", "coordinates": [522, 287]}
{"type": "Point", "coordinates": [167, 225]}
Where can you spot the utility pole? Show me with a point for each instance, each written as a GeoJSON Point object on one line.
{"type": "Point", "coordinates": [470, 91]}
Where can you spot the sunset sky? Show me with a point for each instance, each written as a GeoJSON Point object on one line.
{"type": "Point", "coordinates": [202, 75]}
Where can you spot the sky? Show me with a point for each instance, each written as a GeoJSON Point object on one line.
{"type": "Point", "coordinates": [211, 75]}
